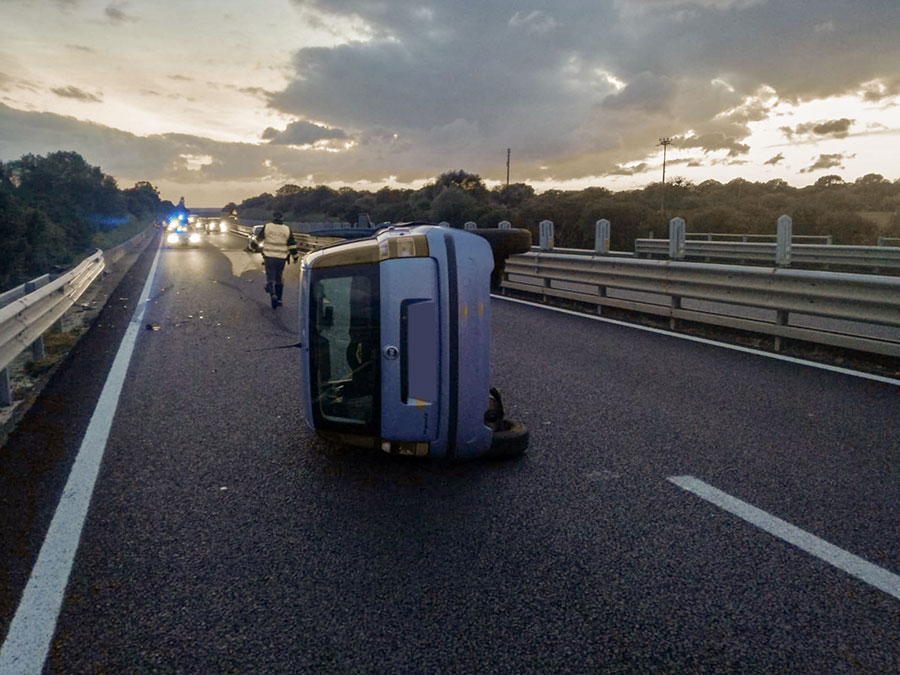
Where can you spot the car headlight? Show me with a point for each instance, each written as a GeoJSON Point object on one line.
{"type": "Point", "coordinates": [172, 238]}
{"type": "Point", "coordinates": [223, 226]}
{"type": "Point", "coordinates": [194, 238]}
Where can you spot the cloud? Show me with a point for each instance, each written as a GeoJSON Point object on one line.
{"type": "Point", "coordinates": [777, 159]}
{"type": "Point", "coordinates": [712, 142]}
{"type": "Point", "coordinates": [827, 162]}
{"type": "Point", "coordinates": [116, 15]}
{"type": "Point", "coordinates": [77, 94]}
{"type": "Point", "coordinates": [576, 89]}
{"type": "Point", "coordinates": [647, 92]}
{"type": "Point", "coordinates": [836, 128]}
{"type": "Point", "coordinates": [302, 133]}
{"type": "Point", "coordinates": [532, 23]}
{"type": "Point", "coordinates": [642, 167]}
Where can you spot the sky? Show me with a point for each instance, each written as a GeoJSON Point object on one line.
{"type": "Point", "coordinates": [221, 100]}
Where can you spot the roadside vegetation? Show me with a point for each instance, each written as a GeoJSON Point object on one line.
{"type": "Point", "coordinates": [852, 212]}
{"type": "Point", "coordinates": [55, 210]}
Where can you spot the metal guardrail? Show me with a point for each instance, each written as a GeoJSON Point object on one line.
{"type": "Point", "coordinates": [24, 320]}
{"type": "Point", "coordinates": [724, 236]}
{"type": "Point", "coordinates": [856, 311]}
{"type": "Point", "coordinates": [874, 257]}
{"type": "Point", "coordinates": [29, 310]}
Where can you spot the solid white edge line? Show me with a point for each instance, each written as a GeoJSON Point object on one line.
{"type": "Point", "coordinates": [692, 338]}
{"type": "Point", "coordinates": [853, 565]}
{"type": "Point", "coordinates": [34, 623]}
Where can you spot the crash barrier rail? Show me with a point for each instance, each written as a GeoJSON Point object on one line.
{"type": "Point", "coordinates": [826, 239]}
{"type": "Point", "coordinates": [782, 252]}
{"type": "Point", "coordinates": [875, 257]}
{"type": "Point", "coordinates": [888, 241]}
{"type": "Point", "coordinates": [855, 311]}
{"type": "Point", "coordinates": [24, 320]}
{"type": "Point", "coordinates": [29, 310]}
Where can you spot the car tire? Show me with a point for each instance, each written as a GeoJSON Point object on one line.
{"type": "Point", "coordinates": [510, 440]}
{"type": "Point", "coordinates": [505, 243]}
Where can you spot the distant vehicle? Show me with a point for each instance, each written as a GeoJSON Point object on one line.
{"type": "Point", "coordinates": [214, 225]}
{"type": "Point", "coordinates": [395, 333]}
{"type": "Point", "coordinates": [181, 235]}
{"type": "Point", "coordinates": [254, 243]}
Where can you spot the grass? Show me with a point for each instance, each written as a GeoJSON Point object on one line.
{"type": "Point", "coordinates": [56, 345]}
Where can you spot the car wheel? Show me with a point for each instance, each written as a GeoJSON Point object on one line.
{"type": "Point", "coordinates": [509, 440]}
{"type": "Point", "coordinates": [504, 243]}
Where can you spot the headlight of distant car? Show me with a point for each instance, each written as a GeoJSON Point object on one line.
{"type": "Point", "coordinates": [194, 238]}
{"type": "Point", "coordinates": [173, 238]}
{"type": "Point", "coordinates": [223, 226]}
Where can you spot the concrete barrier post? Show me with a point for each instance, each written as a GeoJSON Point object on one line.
{"type": "Point", "coordinates": [783, 242]}
{"type": "Point", "coordinates": [470, 225]}
{"type": "Point", "coordinates": [5, 389]}
{"type": "Point", "coordinates": [676, 238]}
{"type": "Point", "coordinates": [546, 235]}
{"type": "Point", "coordinates": [504, 225]}
{"type": "Point", "coordinates": [601, 237]}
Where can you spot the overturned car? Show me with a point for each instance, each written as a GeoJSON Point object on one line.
{"type": "Point", "coordinates": [395, 334]}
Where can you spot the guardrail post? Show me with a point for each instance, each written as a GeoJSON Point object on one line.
{"type": "Point", "coordinates": [504, 225]}
{"type": "Point", "coordinates": [781, 319]}
{"type": "Point", "coordinates": [783, 242]}
{"type": "Point", "coordinates": [676, 239]}
{"type": "Point", "coordinates": [880, 241]}
{"type": "Point", "coordinates": [601, 236]}
{"type": "Point", "coordinates": [546, 235]}
{"type": "Point", "coordinates": [470, 225]}
{"type": "Point", "coordinates": [38, 353]}
{"type": "Point", "coordinates": [675, 304]}
{"type": "Point", "coordinates": [5, 390]}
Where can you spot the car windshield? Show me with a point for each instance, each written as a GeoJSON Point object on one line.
{"type": "Point", "coordinates": [345, 345]}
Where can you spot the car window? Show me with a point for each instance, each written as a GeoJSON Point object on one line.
{"type": "Point", "coordinates": [345, 346]}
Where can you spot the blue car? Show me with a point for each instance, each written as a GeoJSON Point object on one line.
{"type": "Point", "coordinates": [395, 333]}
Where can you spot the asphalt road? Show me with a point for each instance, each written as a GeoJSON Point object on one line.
{"type": "Point", "coordinates": [223, 537]}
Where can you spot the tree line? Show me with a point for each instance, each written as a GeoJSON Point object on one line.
{"type": "Point", "coordinates": [855, 212]}
{"type": "Point", "coordinates": [55, 209]}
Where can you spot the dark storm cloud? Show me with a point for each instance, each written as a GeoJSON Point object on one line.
{"type": "Point", "coordinates": [646, 93]}
{"type": "Point", "coordinates": [77, 94]}
{"type": "Point", "coordinates": [301, 133]}
{"type": "Point", "coordinates": [502, 71]}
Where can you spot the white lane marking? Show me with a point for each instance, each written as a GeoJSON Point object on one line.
{"type": "Point", "coordinates": [32, 628]}
{"type": "Point", "coordinates": [692, 338]}
{"type": "Point", "coordinates": [853, 565]}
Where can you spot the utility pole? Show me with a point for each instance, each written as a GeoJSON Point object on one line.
{"type": "Point", "coordinates": [665, 142]}
{"type": "Point", "coordinates": [507, 166]}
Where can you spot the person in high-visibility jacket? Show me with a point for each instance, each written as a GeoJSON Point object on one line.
{"type": "Point", "coordinates": [279, 245]}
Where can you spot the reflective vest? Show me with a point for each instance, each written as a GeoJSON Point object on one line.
{"type": "Point", "coordinates": [279, 241]}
